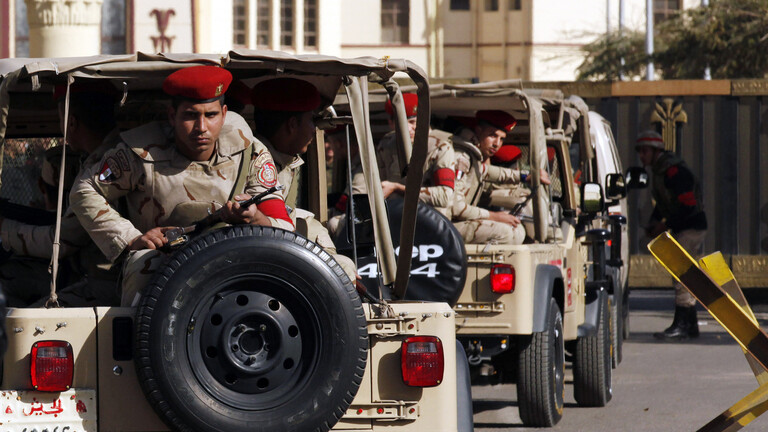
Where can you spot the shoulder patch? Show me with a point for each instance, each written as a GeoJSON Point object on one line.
{"type": "Point", "coordinates": [110, 171]}
{"type": "Point", "coordinates": [672, 171]}
{"type": "Point", "coordinates": [267, 174]}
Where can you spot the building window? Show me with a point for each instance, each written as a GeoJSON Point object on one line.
{"type": "Point", "coordinates": [286, 23]}
{"type": "Point", "coordinates": [310, 23]}
{"type": "Point", "coordinates": [239, 23]}
{"type": "Point", "coordinates": [515, 5]}
{"type": "Point", "coordinates": [663, 9]}
{"type": "Point", "coordinates": [263, 27]}
{"type": "Point", "coordinates": [394, 21]}
{"type": "Point", "coordinates": [491, 5]}
{"type": "Point", "coordinates": [459, 4]}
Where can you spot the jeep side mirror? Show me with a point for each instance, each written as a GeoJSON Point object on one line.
{"type": "Point", "coordinates": [637, 178]}
{"type": "Point", "coordinates": [362, 221]}
{"type": "Point", "coordinates": [592, 198]}
{"type": "Point", "coordinates": [615, 188]}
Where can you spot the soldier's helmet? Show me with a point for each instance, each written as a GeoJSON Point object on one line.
{"type": "Point", "coordinates": [650, 138]}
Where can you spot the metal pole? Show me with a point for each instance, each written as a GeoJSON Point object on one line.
{"type": "Point", "coordinates": [649, 38]}
{"type": "Point", "coordinates": [607, 16]}
{"type": "Point", "coordinates": [622, 77]}
{"type": "Point", "coordinates": [707, 71]}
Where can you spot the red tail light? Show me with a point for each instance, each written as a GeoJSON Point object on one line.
{"type": "Point", "coordinates": [422, 361]}
{"type": "Point", "coordinates": [502, 278]}
{"type": "Point", "coordinates": [52, 366]}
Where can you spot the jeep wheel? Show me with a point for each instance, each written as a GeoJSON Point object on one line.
{"type": "Point", "coordinates": [617, 334]}
{"type": "Point", "coordinates": [592, 385]}
{"type": "Point", "coordinates": [250, 328]}
{"type": "Point", "coordinates": [617, 305]}
{"type": "Point", "coordinates": [541, 373]}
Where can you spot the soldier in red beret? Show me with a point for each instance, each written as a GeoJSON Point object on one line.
{"type": "Point", "coordinates": [283, 113]}
{"type": "Point", "coordinates": [174, 173]}
{"type": "Point", "coordinates": [437, 183]}
{"type": "Point", "coordinates": [474, 175]}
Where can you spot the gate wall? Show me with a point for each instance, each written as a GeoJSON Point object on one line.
{"type": "Point", "coordinates": [725, 143]}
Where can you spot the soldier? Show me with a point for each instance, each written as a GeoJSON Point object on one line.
{"type": "Point", "coordinates": [283, 110]}
{"type": "Point", "coordinates": [438, 181]}
{"type": "Point", "coordinates": [678, 208]}
{"type": "Point", "coordinates": [91, 131]}
{"type": "Point", "coordinates": [172, 173]}
{"type": "Point", "coordinates": [473, 169]}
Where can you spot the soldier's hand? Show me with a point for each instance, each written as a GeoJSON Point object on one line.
{"type": "Point", "coordinates": [505, 218]}
{"type": "Point", "coordinates": [544, 177]}
{"type": "Point", "coordinates": [152, 239]}
{"type": "Point", "coordinates": [388, 188]}
{"type": "Point", "coordinates": [654, 230]}
{"type": "Point", "coordinates": [234, 213]}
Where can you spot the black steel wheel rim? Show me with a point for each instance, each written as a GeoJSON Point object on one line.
{"type": "Point", "coordinates": [254, 343]}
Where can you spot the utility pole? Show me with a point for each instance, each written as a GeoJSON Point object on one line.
{"type": "Point", "coordinates": [707, 71]}
{"type": "Point", "coordinates": [621, 36]}
{"type": "Point", "coordinates": [649, 38]}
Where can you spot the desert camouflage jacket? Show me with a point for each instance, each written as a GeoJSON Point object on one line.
{"type": "Point", "coordinates": [164, 188]}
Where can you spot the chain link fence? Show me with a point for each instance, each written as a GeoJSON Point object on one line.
{"type": "Point", "coordinates": [22, 168]}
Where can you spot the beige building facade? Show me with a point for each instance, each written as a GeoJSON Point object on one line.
{"type": "Point", "coordinates": [535, 40]}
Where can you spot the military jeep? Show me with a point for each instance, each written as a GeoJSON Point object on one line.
{"type": "Point", "coordinates": [246, 327]}
{"type": "Point", "coordinates": [523, 307]}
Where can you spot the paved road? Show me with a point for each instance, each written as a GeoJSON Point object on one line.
{"type": "Point", "coordinates": [658, 386]}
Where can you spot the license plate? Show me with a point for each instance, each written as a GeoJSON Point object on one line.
{"type": "Point", "coordinates": [31, 411]}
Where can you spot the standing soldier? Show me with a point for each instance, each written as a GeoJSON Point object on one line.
{"type": "Point", "coordinates": [173, 173]}
{"type": "Point", "coordinates": [438, 181]}
{"type": "Point", "coordinates": [91, 131]}
{"type": "Point", "coordinates": [678, 208]}
{"type": "Point", "coordinates": [283, 110]}
{"type": "Point", "coordinates": [473, 168]}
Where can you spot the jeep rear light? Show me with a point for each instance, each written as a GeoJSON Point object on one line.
{"type": "Point", "coordinates": [422, 361]}
{"type": "Point", "coordinates": [502, 278]}
{"type": "Point", "coordinates": [52, 366]}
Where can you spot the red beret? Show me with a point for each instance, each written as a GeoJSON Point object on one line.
{"type": "Point", "coordinates": [285, 94]}
{"type": "Point", "coordinates": [507, 153]}
{"type": "Point", "coordinates": [239, 92]}
{"type": "Point", "coordinates": [199, 83]}
{"type": "Point", "coordinates": [101, 87]}
{"type": "Point", "coordinates": [497, 119]}
{"type": "Point", "coordinates": [410, 100]}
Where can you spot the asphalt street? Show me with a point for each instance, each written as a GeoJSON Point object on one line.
{"type": "Point", "coordinates": [659, 386]}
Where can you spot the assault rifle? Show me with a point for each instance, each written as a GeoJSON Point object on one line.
{"type": "Point", "coordinates": [178, 237]}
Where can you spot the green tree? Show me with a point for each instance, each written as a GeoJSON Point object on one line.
{"type": "Point", "coordinates": [730, 37]}
{"type": "Point", "coordinates": [603, 57]}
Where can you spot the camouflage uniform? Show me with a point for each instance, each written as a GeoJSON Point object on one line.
{"type": "Point", "coordinates": [472, 221]}
{"type": "Point", "coordinates": [438, 181]}
{"type": "Point", "coordinates": [288, 167]}
{"type": "Point", "coordinates": [99, 279]}
{"type": "Point", "coordinates": [163, 188]}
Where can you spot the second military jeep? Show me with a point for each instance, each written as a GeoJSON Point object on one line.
{"type": "Point", "coordinates": [245, 327]}
{"type": "Point", "coordinates": [526, 308]}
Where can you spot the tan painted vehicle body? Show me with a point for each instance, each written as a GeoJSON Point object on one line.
{"type": "Point", "coordinates": [513, 332]}
{"type": "Point", "coordinates": [114, 389]}
{"type": "Point", "coordinates": [105, 393]}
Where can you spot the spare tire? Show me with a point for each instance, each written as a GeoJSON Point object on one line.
{"type": "Point", "coordinates": [439, 263]}
{"type": "Point", "coordinates": [250, 328]}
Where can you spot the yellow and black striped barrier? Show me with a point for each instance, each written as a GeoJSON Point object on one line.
{"type": "Point", "coordinates": [713, 284]}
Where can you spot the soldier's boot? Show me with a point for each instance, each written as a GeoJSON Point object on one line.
{"type": "Point", "coordinates": [693, 322]}
{"type": "Point", "coordinates": [680, 325]}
